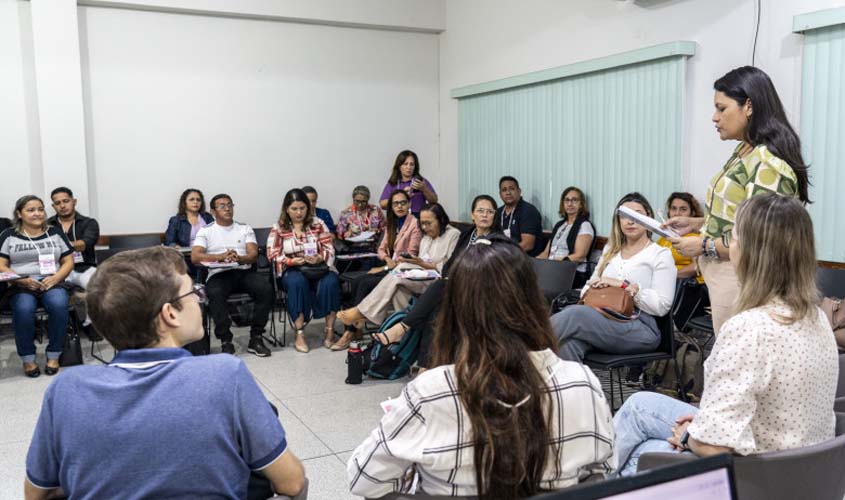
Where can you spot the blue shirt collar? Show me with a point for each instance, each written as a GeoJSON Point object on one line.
{"type": "Point", "coordinates": [149, 356]}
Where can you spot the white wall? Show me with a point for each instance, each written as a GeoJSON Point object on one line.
{"type": "Point", "coordinates": [247, 107]}
{"type": "Point", "coordinates": [491, 39]}
{"type": "Point", "coordinates": [19, 161]}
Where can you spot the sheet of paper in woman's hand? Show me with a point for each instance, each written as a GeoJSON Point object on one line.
{"type": "Point", "coordinates": [647, 222]}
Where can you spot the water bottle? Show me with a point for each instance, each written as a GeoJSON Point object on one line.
{"type": "Point", "coordinates": [355, 364]}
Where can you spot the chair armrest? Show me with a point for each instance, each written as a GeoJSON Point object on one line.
{"type": "Point", "coordinates": [655, 460]}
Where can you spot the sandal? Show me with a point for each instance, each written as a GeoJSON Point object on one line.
{"type": "Point", "coordinates": [383, 337]}
{"type": "Point", "coordinates": [303, 348]}
{"type": "Point", "coordinates": [329, 340]}
{"type": "Point", "coordinates": [33, 373]}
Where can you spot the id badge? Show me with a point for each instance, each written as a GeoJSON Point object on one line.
{"type": "Point", "coordinates": [77, 258]}
{"type": "Point", "coordinates": [47, 264]}
{"type": "Point", "coordinates": [507, 232]}
{"type": "Point", "coordinates": [310, 249]}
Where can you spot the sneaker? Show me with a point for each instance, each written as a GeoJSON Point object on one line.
{"type": "Point", "coordinates": [91, 333]}
{"type": "Point", "coordinates": [228, 348]}
{"type": "Point", "coordinates": [256, 346]}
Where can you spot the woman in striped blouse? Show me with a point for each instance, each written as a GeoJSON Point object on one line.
{"type": "Point", "coordinates": [301, 249]}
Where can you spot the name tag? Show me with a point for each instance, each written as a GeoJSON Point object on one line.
{"type": "Point", "coordinates": [47, 264]}
{"type": "Point", "coordinates": [77, 258]}
{"type": "Point", "coordinates": [310, 249]}
{"type": "Point", "coordinates": [507, 232]}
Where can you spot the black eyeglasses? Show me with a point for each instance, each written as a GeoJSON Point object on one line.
{"type": "Point", "coordinates": [198, 290]}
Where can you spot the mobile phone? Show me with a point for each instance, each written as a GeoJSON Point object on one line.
{"type": "Point", "coordinates": [406, 255]}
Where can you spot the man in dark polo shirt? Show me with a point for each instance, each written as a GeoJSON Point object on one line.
{"type": "Point", "coordinates": [83, 233]}
{"type": "Point", "coordinates": [520, 220]}
{"type": "Point", "coordinates": [156, 422]}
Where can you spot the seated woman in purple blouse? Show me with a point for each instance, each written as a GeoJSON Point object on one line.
{"type": "Point", "coordinates": [406, 177]}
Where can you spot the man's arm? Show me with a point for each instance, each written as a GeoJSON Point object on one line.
{"type": "Point", "coordinates": [286, 473]}
{"type": "Point", "coordinates": [526, 241]}
{"type": "Point", "coordinates": [251, 254]}
{"type": "Point", "coordinates": [198, 255]}
{"type": "Point", "coordinates": [89, 237]}
{"type": "Point", "coordinates": [32, 492]}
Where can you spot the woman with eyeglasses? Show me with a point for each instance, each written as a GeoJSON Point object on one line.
{"type": "Point", "coordinates": [360, 217]}
{"type": "Point", "coordinates": [573, 236]}
{"type": "Point", "coordinates": [402, 237]}
{"type": "Point", "coordinates": [422, 315]}
{"type": "Point", "coordinates": [394, 291]}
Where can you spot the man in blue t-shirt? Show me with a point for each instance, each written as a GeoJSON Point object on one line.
{"type": "Point", "coordinates": [520, 220]}
{"type": "Point", "coordinates": [156, 422]}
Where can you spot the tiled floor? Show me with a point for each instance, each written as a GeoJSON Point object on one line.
{"type": "Point", "coordinates": [324, 418]}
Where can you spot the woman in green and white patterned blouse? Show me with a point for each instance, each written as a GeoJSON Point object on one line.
{"type": "Point", "coordinates": [767, 159]}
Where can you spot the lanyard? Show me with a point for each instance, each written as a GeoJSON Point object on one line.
{"type": "Point", "coordinates": [50, 241]}
{"type": "Point", "coordinates": [510, 217]}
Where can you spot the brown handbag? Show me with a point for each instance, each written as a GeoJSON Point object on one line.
{"type": "Point", "coordinates": [614, 302]}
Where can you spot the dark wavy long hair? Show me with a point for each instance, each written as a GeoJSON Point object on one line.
{"type": "Point", "coordinates": [292, 196]}
{"type": "Point", "coordinates": [183, 201]}
{"type": "Point", "coordinates": [392, 224]}
{"type": "Point", "coordinates": [768, 123]}
{"type": "Point", "coordinates": [490, 347]}
{"type": "Point", "coordinates": [396, 174]}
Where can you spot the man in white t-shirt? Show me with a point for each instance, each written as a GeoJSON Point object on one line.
{"type": "Point", "coordinates": [229, 249]}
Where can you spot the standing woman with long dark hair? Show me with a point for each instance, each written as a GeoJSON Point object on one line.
{"type": "Point", "coordinates": [405, 176]}
{"type": "Point", "coordinates": [489, 419]}
{"type": "Point", "coordinates": [767, 159]}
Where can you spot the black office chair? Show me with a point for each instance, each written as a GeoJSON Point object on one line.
{"type": "Point", "coordinates": [261, 236]}
{"type": "Point", "coordinates": [129, 241]}
{"type": "Point", "coordinates": [554, 278]}
{"type": "Point", "coordinates": [613, 362]}
{"type": "Point", "coordinates": [831, 282]}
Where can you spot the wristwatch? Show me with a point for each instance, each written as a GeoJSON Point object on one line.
{"type": "Point", "coordinates": [685, 440]}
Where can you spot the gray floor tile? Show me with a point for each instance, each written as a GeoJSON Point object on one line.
{"type": "Point", "coordinates": [13, 469]}
{"type": "Point", "coordinates": [344, 457]}
{"type": "Point", "coordinates": [304, 443]}
{"type": "Point", "coordinates": [327, 479]}
{"type": "Point", "coordinates": [343, 419]}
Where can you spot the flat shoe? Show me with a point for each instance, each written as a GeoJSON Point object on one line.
{"type": "Point", "coordinates": [300, 348]}
{"type": "Point", "coordinates": [35, 372]}
{"type": "Point", "coordinates": [49, 370]}
{"type": "Point", "coordinates": [337, 346]}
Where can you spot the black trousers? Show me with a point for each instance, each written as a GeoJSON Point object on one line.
{"type": "Point", "coordinates": [423, 315]}
{"type": "Point", "coordinates": [221, 285]}
{"type": "Point", "coordinates": [361, 286]}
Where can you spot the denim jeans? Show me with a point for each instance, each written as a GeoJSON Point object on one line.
{"type": "Point", "coordinates": [23, 319]}
{"type": "Point", "coordinates": [643, 425]}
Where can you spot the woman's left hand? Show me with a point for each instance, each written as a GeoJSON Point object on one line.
{"type": "Point", "coordinates": [688, 246]}
{"type": "Point", "coordinates": [677, 433]}
{"type": "Point", "coordinates": [314, 259]}
{"type": "Point", "coordinates": [48, 282]}
{"type": "Point", "coordinates": [412, 260]}
{"type": "Point", "coordinates": [606, 282]}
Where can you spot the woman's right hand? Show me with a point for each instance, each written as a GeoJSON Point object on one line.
{"type": "Point", "coordinates": [684, 225]}
{"type": "Point", "coordinates": [29, 284]}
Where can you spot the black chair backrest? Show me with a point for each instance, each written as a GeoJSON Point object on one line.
{"type": "Point", "coordinates": [104, 253]}
{"type": "Point", "coordinates": [831, 282]}
{"type": "Point", "coordinates": [261, 235]}
{"type": "Point", "coordinates": [128, 241]}
{"type": "Point", "coordinates": [554, 277]}
{"type": "Point", "coordinates": [667, 333]}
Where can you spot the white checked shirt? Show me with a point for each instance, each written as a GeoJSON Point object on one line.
{"type": "Point", "coordinates": [428, 428]}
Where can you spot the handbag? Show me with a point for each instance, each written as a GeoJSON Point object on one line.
{"type": "Point", "coordinates": [314, 271]}
{"type": "Point", "coordinates": [613, 302]}
{"type": "Point", "coordinates": [72, 350]}
{"type": "Point", "coordinates": [835, 313]}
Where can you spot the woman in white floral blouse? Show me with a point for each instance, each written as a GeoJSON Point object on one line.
{"type": "Point", "coordinates": [769, 383]}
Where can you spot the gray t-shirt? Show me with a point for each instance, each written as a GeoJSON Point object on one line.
{"type": "Point", "coordinates": [22, 252]}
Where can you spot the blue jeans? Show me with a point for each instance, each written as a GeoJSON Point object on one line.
{"type": "Point", "coordinates": [319, 296]}
{"type": "Point", "coordinates": [643, 425]}
{"type": "Point", "coordinates": [23, 320]}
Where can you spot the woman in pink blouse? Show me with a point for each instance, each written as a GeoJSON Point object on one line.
{"type": "Point", "coordinates": [402, 238]}
{"type": "Point", "coordinates": [301, 249]}
{"type": "Point", "coordinates": [770, 381]}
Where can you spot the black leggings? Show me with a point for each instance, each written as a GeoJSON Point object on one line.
{"type": "Point", "coordinates": [422, 315]}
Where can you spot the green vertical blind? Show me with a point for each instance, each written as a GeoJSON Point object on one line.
{"type": "Point", "coordinates": [609, 132]}
{"type": "Point", "coordinates": [823, 126]}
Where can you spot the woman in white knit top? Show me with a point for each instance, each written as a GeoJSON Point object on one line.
{"type": "Point", "coordinates": [643, 268]}
{"type": "Point", "coordinates": [770, 381]}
